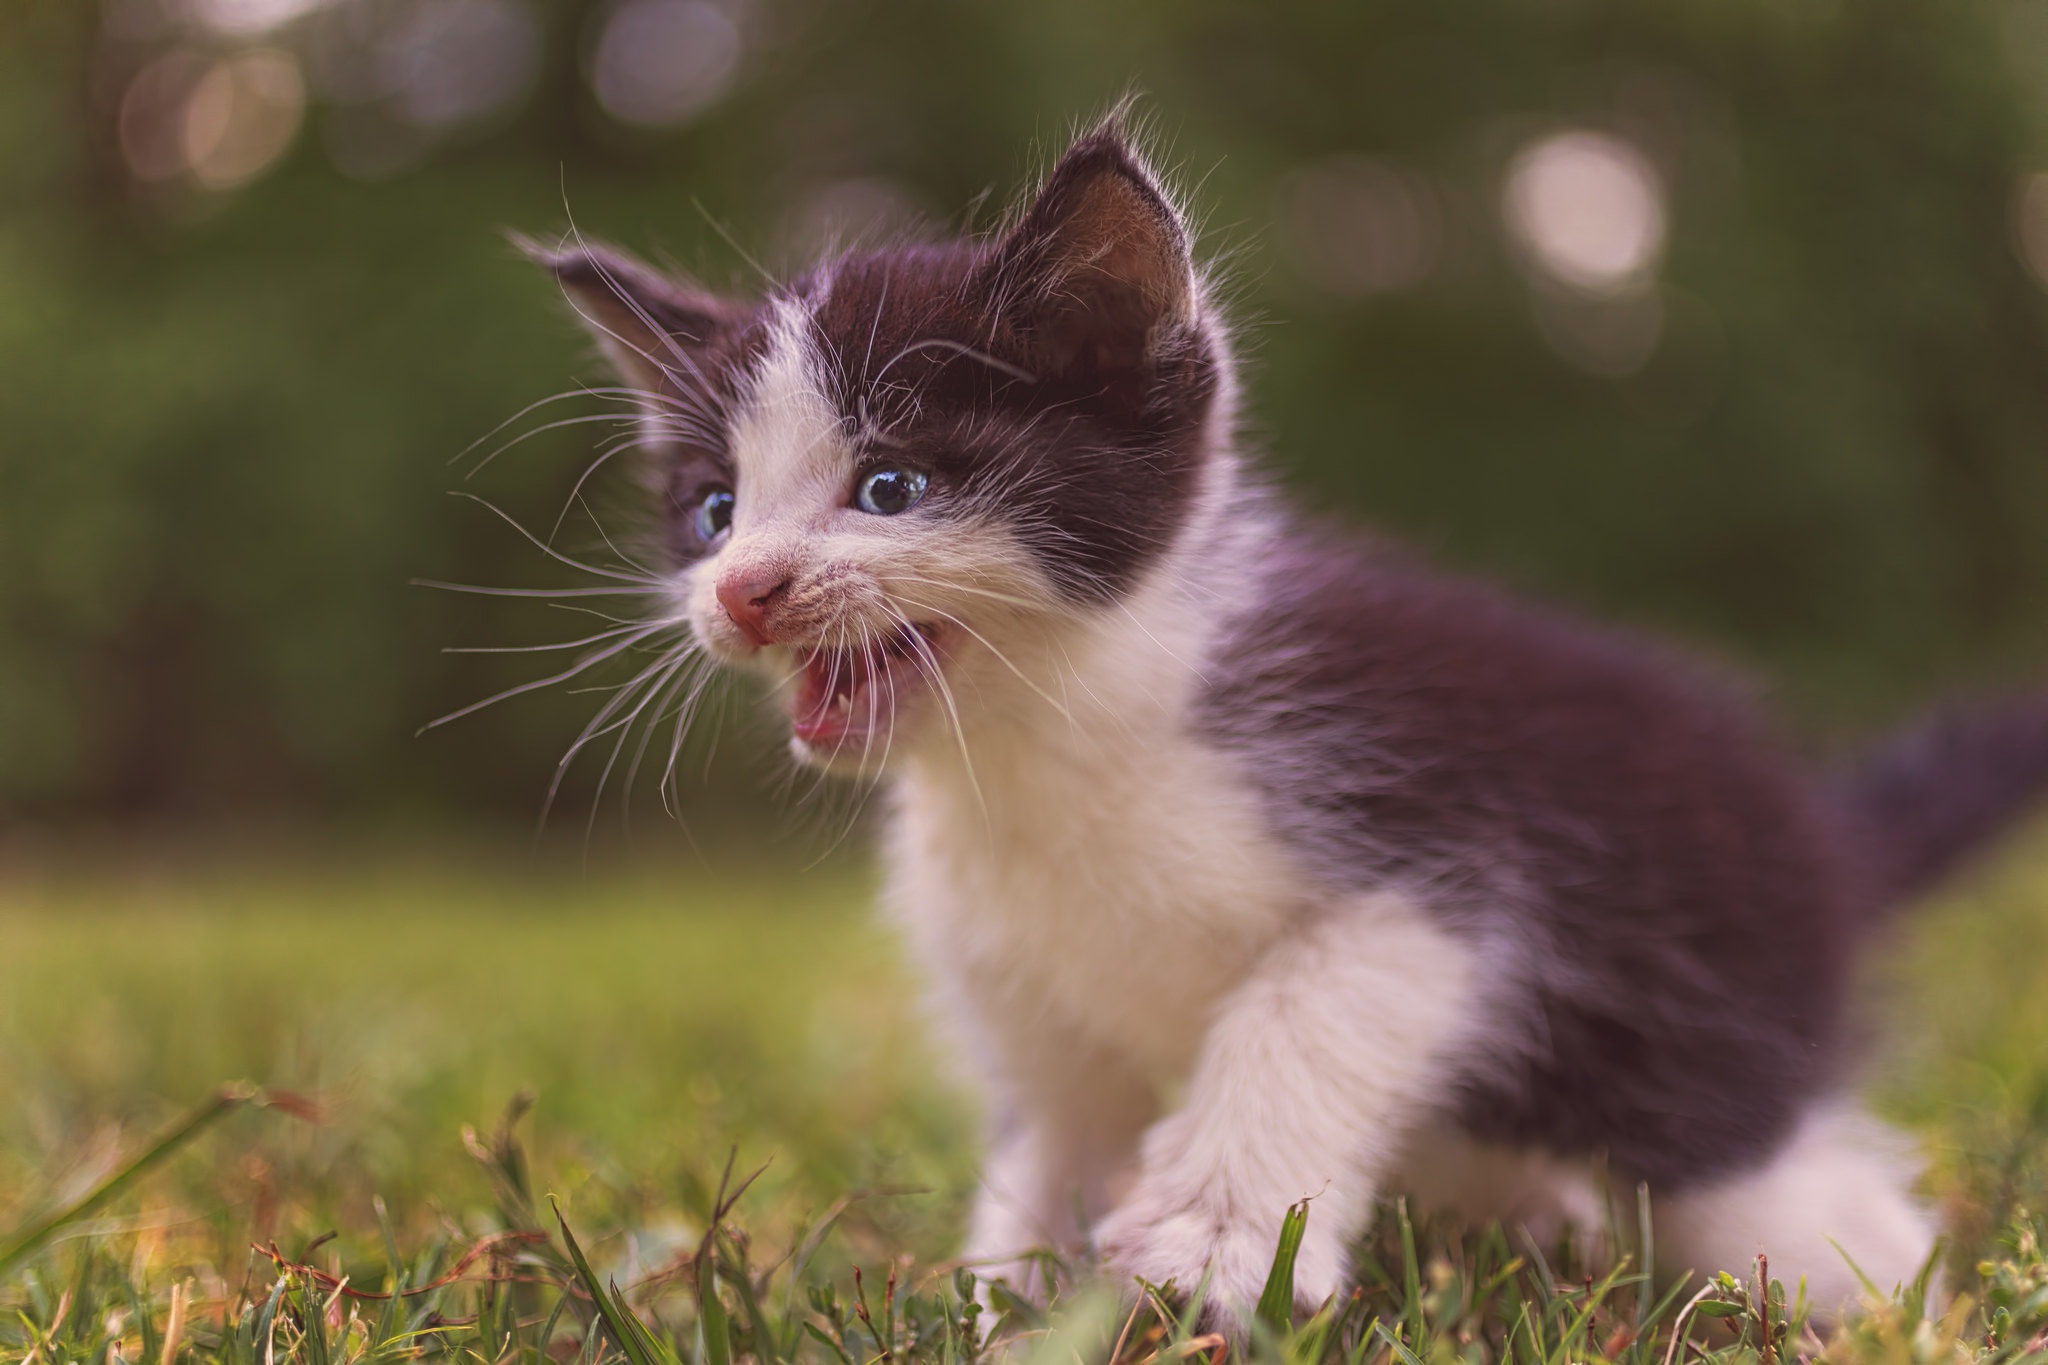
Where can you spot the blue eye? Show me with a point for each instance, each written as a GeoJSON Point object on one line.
{"type": "Point", "coordinates": [885, 492]}
{"type": "Point", "coordinates": [714, 514]}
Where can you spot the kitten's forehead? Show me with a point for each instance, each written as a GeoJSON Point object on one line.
{"type": "Point", "coordinates": [886, 321]}
{"type": "Point", "coordinates": [850, 351]}
{"type": "Point", "coordinates": [791, 446]}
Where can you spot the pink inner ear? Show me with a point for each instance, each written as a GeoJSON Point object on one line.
{"type": "Point", "coordinates": [641, 316]}
{"type": "Point", "coordinates": [1118, 232]}
{"type": "Point", "coordinates": [1102, 258]}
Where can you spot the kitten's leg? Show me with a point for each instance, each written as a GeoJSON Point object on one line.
{"type": "Point", "coordinates": [1841, 1182]}
{"type": "Point", "coordinates": [1445, 1169]}
{"type": "Point", "coordinates": [1068, 1117]}
{"type": "Point", "coordinates": [1311, 1075]}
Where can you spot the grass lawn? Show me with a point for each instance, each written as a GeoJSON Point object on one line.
{"type": "Point", "coordinates": [666, 1016]}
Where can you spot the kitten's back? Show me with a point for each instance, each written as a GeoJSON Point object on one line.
{"type": "Point", "coordinates": [1676, 906]}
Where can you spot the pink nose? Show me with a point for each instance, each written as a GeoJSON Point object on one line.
{"type": "Point", "coordinates": [747, 599]}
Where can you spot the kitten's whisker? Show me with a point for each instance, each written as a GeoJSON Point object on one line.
{"type": "Point", "coordinates": [1081, 679]}
{"type": "Point", "coordinates": [684, 711]}
{"type": "Point", "coordinates": [1163, 647]}
{"type": "Point", "coordinates": [1001, 657]}
{"type": "Point", "coordinates": [610, 391]}
{"type": "Point", "coordinates": [869, 655]}
{"type": "Point", "coordinates": [960, 349]}
{"type": "Point", "coordinates": [659, 694]}
{"type": "Point", "coordinates": [888, 747]}
{"type": "Point", "coordinates": [543, 649]}
{"type": "Point", "coordinates": [576, 491]}
{"type": "Point", "coordinates": [526, 592]}
{"type": "Point", "coordinates": [628, 392]}
{"type": "Point", "coordinates": [600, 615]}
{"type": "Point", "coordinates": [599, 726]}
{"type": "Point", "coordinates": [624, 727]}
{"type": "Point", "coordinates": [550, 551]}
{"type": "Point", "coordinates": [621, 419]}
{"type": "Point", "coordinates": [1007, 599]}
{"type": "Point", "coordinates": [580, 666]}
{"type": "Point", "coordinates": [875, 329]}
{"type": "Point", "coordinates": [653, 575]}
{"type": "Point", "coordinates": [922, 650]}
{"type": "Point", "coordinates": [725, 234]}
{"type": "Point", "coordinates": [535, 406]}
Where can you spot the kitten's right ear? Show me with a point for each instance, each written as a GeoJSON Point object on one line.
{"type": "Point", "coordinates": [650, 326]}
{"type": "Point", "coordinates": [1097, 274]}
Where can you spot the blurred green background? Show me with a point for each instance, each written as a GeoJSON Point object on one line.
{"type": "Point", "coordinates": [1720, 316]}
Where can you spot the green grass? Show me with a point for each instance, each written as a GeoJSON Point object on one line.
{"type": "Point", "coordinates": [681, 1030]}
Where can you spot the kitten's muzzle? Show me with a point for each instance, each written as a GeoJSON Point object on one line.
{"type": "Point", "coordinates": [748, 599]}
{"type": "Point", "coordinates": [851, 693]}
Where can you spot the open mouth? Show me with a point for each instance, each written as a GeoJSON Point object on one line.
{"type": "Point", "coordinates": [847, 693]}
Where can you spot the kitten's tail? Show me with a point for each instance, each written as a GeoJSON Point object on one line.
{"type": "Point", "coordinates": [1927, 798]}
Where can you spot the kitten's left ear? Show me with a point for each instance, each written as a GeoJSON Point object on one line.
{"type": "Point", "coordinates": [1097, 277]}
{"type": "Point", "coordinates": [650, 326]}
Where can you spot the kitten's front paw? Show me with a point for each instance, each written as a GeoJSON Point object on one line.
{"type": "Point", "coordinates": [1159, 1238]}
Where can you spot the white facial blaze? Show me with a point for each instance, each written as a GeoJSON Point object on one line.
{"type": "Point", "coordinates": [790, 449]}
{"type": "Point", "coordinates": [791, 463]}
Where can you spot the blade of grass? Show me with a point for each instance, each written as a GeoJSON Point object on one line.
{"type": "Point", "coordinates": [1411, 1267]}
{"type": "Point", "coordinates": [711, 1312]}
{"type": "Point", "coordinates": [1395, 1344]}
{"type": "Point", "coordinates": [626, 1329]}
{"type": "Point", "coordinates": [1276, 1303]}
{"type": "Point", "coordinates": [226, 1100]}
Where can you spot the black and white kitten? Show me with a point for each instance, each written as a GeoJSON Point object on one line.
{"type": "Point", "coordinates": [1249, 862]}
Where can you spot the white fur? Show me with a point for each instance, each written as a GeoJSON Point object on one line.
{"type": "Point", "coordinates": [1836, 1194]}
{"type": "Point", "coordinates": [788, 444]}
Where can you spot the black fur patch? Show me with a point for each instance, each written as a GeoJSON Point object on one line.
{"type": "Point", "coordinates": [1676, 913]}
{"type": "Point", "coordinates": [1095, 470]}
{"type": "Point", "coordinates": [1056, 378]}
{"type": "Point", "coordinates": [1927, 799]}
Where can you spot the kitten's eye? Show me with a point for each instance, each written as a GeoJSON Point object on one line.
{"type": "Point", "coordinates": [714, 514]}
{"type": "Point", "coordinates": [886, 492]}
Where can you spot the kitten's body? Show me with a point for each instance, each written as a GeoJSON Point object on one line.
{"type": "Point", "coordinates": [1250, 864]}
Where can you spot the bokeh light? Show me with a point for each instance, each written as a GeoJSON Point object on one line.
{"type": "Point", "coordinates": [843, 213]}
{"type": "Point", "coordinates": [657, 63]}
{"type": "Point", "coordinates": [151, 119]}
{"type": "Point", "coordinates": [1587, 208]}
{"type": "Point", "coordinates": [217, 122]}
{"type": "Point", "coordinates": [2031, 225]}
{"type": "Point", "coordinates": [457, 61]}
{"type": "Point", "coordinates": [242, 116]}
{"type": "Point", "coordinates": [1357, 225]}
{"type": "Point", "coordinates": [249, 16]}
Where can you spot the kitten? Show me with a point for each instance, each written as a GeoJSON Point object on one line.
{"type": "Point", "coordinates": [1252, 863]}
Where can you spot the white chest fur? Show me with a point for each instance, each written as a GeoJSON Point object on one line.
{"type": "Point", "coordinates": [1100, 869]}
{"type": "Point", "coordinates": [1122, 897]}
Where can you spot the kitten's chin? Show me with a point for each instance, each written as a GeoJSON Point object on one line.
{"type": "Point", "coordinates": [847, 704]}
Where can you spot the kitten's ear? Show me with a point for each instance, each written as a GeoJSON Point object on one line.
{"type": "Point", "coordinates": [1097, 276]}
{"type": "Point", "coordinates": [649, 325]}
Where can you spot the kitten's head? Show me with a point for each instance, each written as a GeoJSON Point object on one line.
{"type": "Point", "coordinates": [892, 483]}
